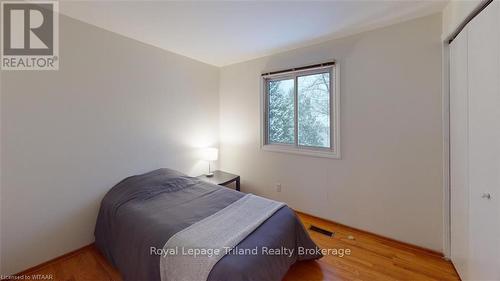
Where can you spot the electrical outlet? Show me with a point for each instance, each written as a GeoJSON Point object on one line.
{"type": "Point", "coordinates": [278, 187]}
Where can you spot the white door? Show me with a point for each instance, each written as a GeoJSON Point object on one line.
{"type": "Point", "coordinates": [459, 149]}
{"type": "Point", "coordinates": [484, 143]}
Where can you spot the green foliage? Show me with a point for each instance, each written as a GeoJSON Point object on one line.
{"type": "Point", "coordinates": [313, 110]}
{"type": "Point", "coordinates": [281, 112]}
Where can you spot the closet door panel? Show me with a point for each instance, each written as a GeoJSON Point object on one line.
{"type": "Point", "coordinates": [459, 154]}
{"type": "Point", "coordinates": [484, 143]}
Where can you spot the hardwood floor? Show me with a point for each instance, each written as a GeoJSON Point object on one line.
{"type": "Point", "coordinates": [372, 258]}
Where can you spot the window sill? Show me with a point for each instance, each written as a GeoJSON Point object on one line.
{"type": "Point", "coordinates": [302, 151]}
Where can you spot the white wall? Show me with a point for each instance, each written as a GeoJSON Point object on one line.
{"type": "Point", "coordinates": [389, 180]}
{"type": "Point", "coordinates": [115, 108]}
{"type": "Point", "coordinates": [455, 13]}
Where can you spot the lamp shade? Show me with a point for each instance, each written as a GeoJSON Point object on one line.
{"type": "Point", "coordinates": [210, 154]}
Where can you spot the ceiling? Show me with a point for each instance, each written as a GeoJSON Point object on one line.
{"type": "Point", "coordinates": [223, 33]}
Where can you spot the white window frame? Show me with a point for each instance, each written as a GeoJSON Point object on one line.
{"type": "Point", "coordinates": [334, 150]}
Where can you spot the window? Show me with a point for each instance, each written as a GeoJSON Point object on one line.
{"type": "Point", "coordinates": [300, 111]}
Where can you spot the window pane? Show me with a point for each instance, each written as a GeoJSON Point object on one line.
{"type": "Point", "coordinates": [281, 111]}
{"type": "Point", "coordinates": [314, 110]}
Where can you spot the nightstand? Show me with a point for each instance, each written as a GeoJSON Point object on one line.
{"type": "Point", "coordinates": [222, 178]}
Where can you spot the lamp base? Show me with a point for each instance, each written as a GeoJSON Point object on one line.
{"type": "Point", "coordinates": [209, 175]}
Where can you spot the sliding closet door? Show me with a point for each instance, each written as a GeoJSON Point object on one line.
{"type": "Point", "coordinates": [459, 149]}
{"type": "Point", "coordinates": [484, 143]}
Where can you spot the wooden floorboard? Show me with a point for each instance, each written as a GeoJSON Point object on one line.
{"type": "Point", "coordinates": [372, 258]}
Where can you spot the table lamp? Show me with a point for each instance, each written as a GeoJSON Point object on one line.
{"type": "Point", "coordinates": [210, 154]}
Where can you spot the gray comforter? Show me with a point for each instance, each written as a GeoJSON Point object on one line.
{"type": "Point", "coordinates": [142, 212]}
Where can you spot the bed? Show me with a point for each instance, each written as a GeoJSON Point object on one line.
{"type": "Point", "coordinates": [142, 212]}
